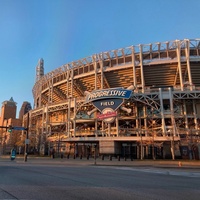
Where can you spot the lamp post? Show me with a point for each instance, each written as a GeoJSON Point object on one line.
{"type": "Point", "coordinates": [153, 135]}
{"type": "Point", "coordinates": [69, 116]}
{"type": "Point", "coordinates": [4, 138]}
{"type": "Point", "coordinates": [26, 140]}
{"type": "Point", "coordinates": [95, 146]}
{"type": "Point", "coordinates": [140, 134]}
{"type": "Point", "coordinates": [190, 144]}
{"type": "Point", "coordinates": [141, 143]}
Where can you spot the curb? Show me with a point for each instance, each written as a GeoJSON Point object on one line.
{"type": "Point", "coordinates": [183, 164]}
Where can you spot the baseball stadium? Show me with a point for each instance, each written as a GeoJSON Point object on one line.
{"type": "Point", "coordinates": [138, 102]}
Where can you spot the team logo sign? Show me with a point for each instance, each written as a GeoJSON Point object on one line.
{"type": "Point", "coordinates": [108, 93]}
{"type": "Point", "coordinates": [107, 102]}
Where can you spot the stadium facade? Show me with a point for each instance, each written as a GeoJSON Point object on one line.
{"type": "Point", "coordinates": [140, 102]}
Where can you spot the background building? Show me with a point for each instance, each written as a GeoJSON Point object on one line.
{"type": "Point", "coordinates": [8, 110]}
{"type": "Point", "coordinates": [159, 120]}
{"type": "Point", "coordinates": [9, 140]}
{"type": "Point", "coordinates": [26, 107]}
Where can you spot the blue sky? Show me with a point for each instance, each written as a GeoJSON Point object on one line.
{"type": "Point", "coordinates": [61, 31]}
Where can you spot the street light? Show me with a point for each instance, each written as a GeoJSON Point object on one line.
{"type": "Point", "coordinates": [141, 143]}
{"type": "Point", "coordinates": [139, 128]}
{"type": "Point", "coordinates": [27, 140]}
{"type": "Point", "coordinates": [153, 135]}
{"type": "Point", "coordinates": [95, 146]}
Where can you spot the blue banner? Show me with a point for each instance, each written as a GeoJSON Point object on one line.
{"type": "Point", "coordinates": [109, 93]}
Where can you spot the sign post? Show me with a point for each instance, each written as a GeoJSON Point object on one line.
{"type": "Point", "coordinates": [27, 140]}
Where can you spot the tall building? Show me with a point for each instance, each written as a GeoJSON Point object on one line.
{"type": "Point", "coordinates": [8, 114]}
{"type": "Point", "coordinates": [26, 106]}
{"type": "Point", "coordinates": [8, 110]}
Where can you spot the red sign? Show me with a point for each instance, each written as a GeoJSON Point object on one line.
{"type": "Point", "coordinates": [107, 115]}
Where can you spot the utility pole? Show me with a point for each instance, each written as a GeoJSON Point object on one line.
{"type": "Point", "coordinates": [26, 140]}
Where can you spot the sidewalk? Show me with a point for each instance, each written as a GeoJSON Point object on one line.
{"type": "Point", "coordinates": [190, 164]}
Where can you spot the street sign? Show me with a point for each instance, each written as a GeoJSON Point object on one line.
{"type": "Point", "coordinates": [19, 128]}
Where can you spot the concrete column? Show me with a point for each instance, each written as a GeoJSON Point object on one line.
{"type": "Point", "coordinates": [141, 67]}
{"type": "Point", "coordinates": [117, 126]}
{"type": "Point", "coordinates": [162, 111]}
{"type": "Point", "coordinates": [187, 55]}
{"type": "Point", "coordinates": [178, 53]}
{"type": "Point", "coordinates": [195, 114]}
{"type": "Point", "coordinates": [172, 134]}
{"type": "Point", "coordinates": [134, 69]}
{"type": "Point", "coordinates": [172, 111]}
{"type": "Point", "coordinates": [74, 118]}
{"type": "Point", "coordinates": [95, 70]}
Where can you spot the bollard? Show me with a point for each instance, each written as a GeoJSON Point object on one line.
{"type": "Point", "coordinates": [110, 157]}
{"type": "Point", "coordinates": [81, 156]}
{"type": "Point", "coordinates": [25, 157]}
{"type": "Point", "coordinates": [124, 158]}
{"type": "Point", "coordinates": [61, 156]}
{"type": "Point", "coordinates": [118, 158]}
{"type": "Point", "coordinates": [67, 156]}
{"type": "Point", "coordinates": [88, 157]}
{"type": "Point", "coordinates": [131, 158]}
{"type": "Point", "coordinates": [74, 156]}
{"type": "Point", "coordinates": [180, 164]}
{"type": "Point", "coordinates": [102, 157]}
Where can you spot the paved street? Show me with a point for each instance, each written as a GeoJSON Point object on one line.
{"type": "Point", "coordinates": [45, 178]}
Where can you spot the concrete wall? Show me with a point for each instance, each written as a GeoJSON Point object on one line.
{"type": "Point", "coordinates": [109, 147]}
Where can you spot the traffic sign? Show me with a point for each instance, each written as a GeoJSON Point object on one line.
{"type": "Point", "coordinates": [19, 128]}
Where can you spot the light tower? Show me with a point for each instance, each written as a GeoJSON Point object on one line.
{"type": "Point", "coordinates": [40, 69]}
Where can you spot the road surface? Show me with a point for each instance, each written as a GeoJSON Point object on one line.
{"type": "Point", "coordinates": [65, 181]}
